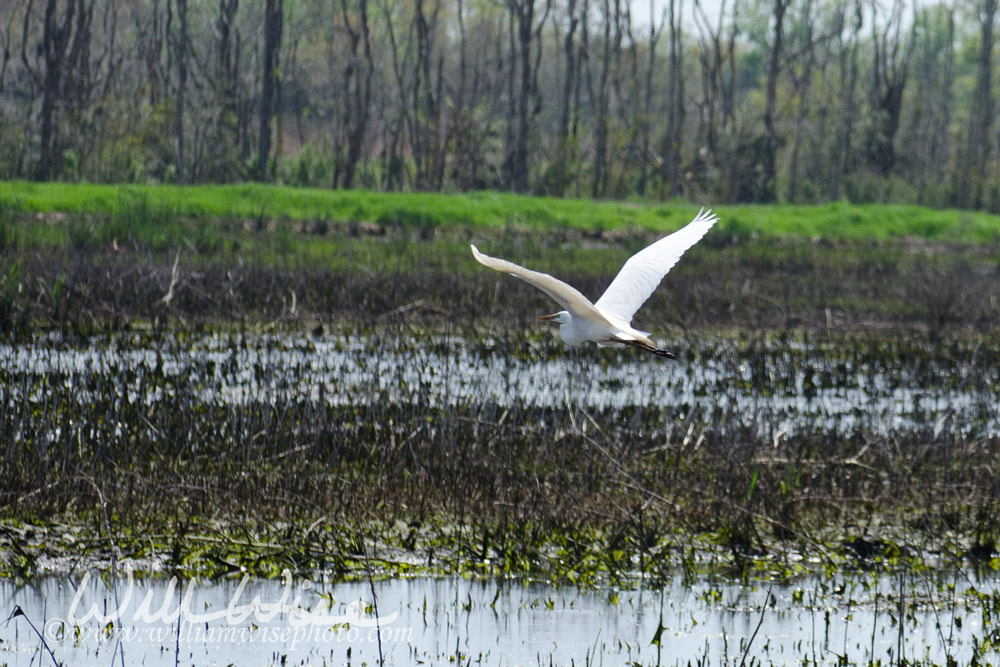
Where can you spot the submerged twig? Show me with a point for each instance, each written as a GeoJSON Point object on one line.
{"type": "Point", "coordinates": [18, 612]}
{"type": "Point", "coordinates": [371, 585]}
{"type": "Point", "coordinates": [760, 622]}
{"type": "Point", "coordinates": [174, 279]}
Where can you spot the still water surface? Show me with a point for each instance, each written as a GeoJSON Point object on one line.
{"type": "Point", "coordinates": [160, 622]}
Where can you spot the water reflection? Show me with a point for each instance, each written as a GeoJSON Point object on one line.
{"type": "Point", "coordinates": [94, 620]}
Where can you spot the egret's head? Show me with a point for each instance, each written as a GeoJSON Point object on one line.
{"type": "Point", "coordinates": [562, 317]}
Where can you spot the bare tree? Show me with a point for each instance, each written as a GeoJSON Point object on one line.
{"type": "Point", "coordinates": [802, 68]}
{"type": "Point", "coordinates": [460, 117]}
{"type": "Point", "coordinates": [766, 98]}
{"type": "Point", "coordinates": [848, 47]}
{"type": "Point", "coordinates": [717, 99]}
{"type": "Point", "coordinates": [477, 104]}
{"type": "Point", "coordinates": [273, 22]}
{"type": "Point", "coordinates": [358, 88]}
{"type": "Point", "coordinates": [570, 57]}
{"type": "Point", "coordinates": [426, 97]}
{"type": "Point", "coordinates": [150, 32]}
{"type": "Point", "coordinates": [889, 71]}
{"type": "Point", "coordinates": [772, 141]}
{"type": "Point", "coordinates": [227, 65]}
{"type": "Point", "coordinates": [981, 113]}
{"type": "Point", "coordinates": [584, 75]}
{"type": "Point", "coordinates": [57, 33]}
{"type": "Point", "coordinates": [110, 55]}
{"type": "Point", "coordinates": [393, 170]}
{"type": "Point", "coordinates": [525, 31]}
{"type": "Point", "coordinates": [930, 119]}
{"type": "Point", "coordinates": [79, 77]}
{"type": "Point", "coordinates": [5, 35]}
{"type": "Point", "coordinates": [181, 49]}
{"type": "Point", "coordinates": [600, 101]}
{"type": "Point", "coordinates": [671, 150]}
{"type": "Point", "coordinates": [623, 149]}
{"type": "Point", "coordinates": [611, 50]}
{"type": "Point", "coordinates": [645, 120]}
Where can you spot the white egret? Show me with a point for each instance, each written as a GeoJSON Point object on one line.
{"type": "Point", "coordinates": [609, 320]}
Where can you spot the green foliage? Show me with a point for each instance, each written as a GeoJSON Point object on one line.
{"type": "Point", "coordinates": [150, 214]}
{"type": "Point", "coordinates": [10, 230]}
{"type": "Point", "coordinates": [312, 168]}
{"type": "Point", "coordinates": [11, 291]}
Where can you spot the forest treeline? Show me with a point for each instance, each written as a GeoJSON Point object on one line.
{"type": "Point", "coordinates": [756, 101]}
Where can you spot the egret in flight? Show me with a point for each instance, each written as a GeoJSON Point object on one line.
{"type": "Point", "coordinates": [609, 320]}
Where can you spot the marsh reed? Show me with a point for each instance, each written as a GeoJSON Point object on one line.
{"type": "Point", "coordinates": [507, 448]}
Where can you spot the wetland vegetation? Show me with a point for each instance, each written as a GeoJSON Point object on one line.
{"type": "Point", "coordinates": [208, 392]}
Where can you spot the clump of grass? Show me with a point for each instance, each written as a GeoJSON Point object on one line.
{"type": "Point", "coordinates": [10, 232]}
{"type": "Point", "coordinates": [15, 313]}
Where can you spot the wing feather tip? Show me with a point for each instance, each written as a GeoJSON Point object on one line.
{"type": "Point", "coordinates": [706, 215]}
{"type": "Point", "coordinates": [480, 257]}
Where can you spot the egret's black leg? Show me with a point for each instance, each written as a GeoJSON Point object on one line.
{"type": "Point", "coordinates": [663, 354]}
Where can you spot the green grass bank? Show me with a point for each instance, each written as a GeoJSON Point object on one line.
{"type": "Point", "coordinates": [491, 210]}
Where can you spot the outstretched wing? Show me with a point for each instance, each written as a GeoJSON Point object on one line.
{"type": "Point", "coordinates": [644, 270]}
{"type": "Point", "coordinates": [565, 295]}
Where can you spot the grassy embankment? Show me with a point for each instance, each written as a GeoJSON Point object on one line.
{"type": "Point", "coordinates": [833, 222]}
{"type": "Point", "coordinates": [563, 491]}
{"type": "Point", "coordinates": [357, 256]}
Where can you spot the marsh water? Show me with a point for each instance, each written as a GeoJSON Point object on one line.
{"type": "Point", "coordinates": [776, 388]}
{"type": "Point", "coordinates": [294, 621]}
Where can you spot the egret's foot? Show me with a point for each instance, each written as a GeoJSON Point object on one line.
{"type": "Point", "coordinates": [663, 354]}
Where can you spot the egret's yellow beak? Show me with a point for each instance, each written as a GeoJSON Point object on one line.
{"type": "Point", "coordinates": [549, 317]}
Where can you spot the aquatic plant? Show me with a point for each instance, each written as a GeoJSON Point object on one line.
{"type": "Point", "coordinates": [485, 461]}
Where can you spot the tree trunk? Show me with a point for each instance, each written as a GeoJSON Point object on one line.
{"type": "Point", "coordinates": [772, 141]}
{"type": "Point", "coordinates": [55, 42]}
{"type": "Point", "coordinates": [601, 104]}
{"type": "Point", "coordinates": [358, 80]}
{"type": "Point", "coordinates": [930, 118]}
{"type": "Point", "coordinates": [524, 12]}
{"type": "Point", "coordinates": [802, 80]}
{"type": "Point", "coordinates": [226, 72]}
{"type": "Point", "coordinates": [981, 113]}
{"type": "Point", "coordinates": [393, 170]}
{"type": "Point", "coordinates": [426, 99]}
{"type": "Point", "coordinates": [78, 79]}
{"type": "Point", "coordinates": [182, 45]}
{"type": "Point", "coordinates": [565, 102]}
{"type": "Point", "coordinates": [841, 154]}
{"type": "Point", "coordinates": [273, 19]}
{"type": "Point", "coordinates": [675, 103]}
{"type": "Point", "coordinates": [645, 123]}
{"type": "Point", "coordinates": [149, 42]}
{"type": "Point", "coordinates": [584, 73]}
{"type": "Point", "coordinates": [718, 101]}
{"type": "Point", "coordinates": [890, 69]}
